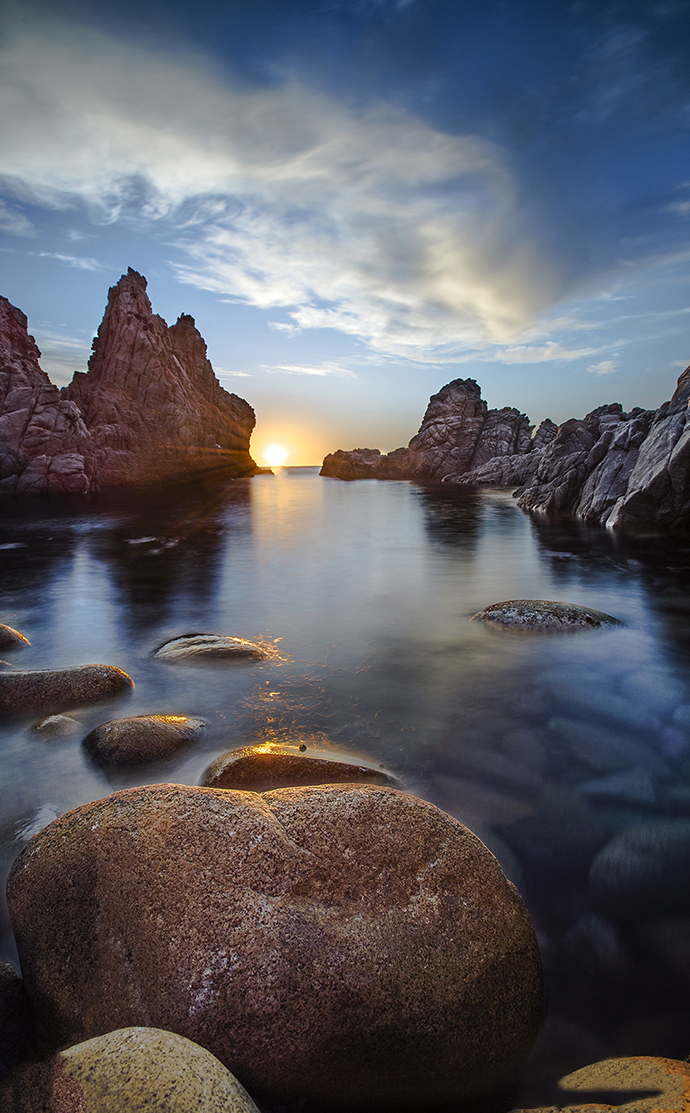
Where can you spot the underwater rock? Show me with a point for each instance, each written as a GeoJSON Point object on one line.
{"type": "Point", "coordinates": [544, 616]}
{"type": "Point", "coordinates": [192, 649]}
{"type": "Point", "coordinates": [342, 944]}
{"type": "Point", "coordinates": [132, 1070]}
{"type": "Point", "coordinates": [265, 767]}
{"type": "Point", "coordinates": [642, 873]}
{"type": "Point", "coordinates": [142, 738]}
{"type": "Point", "coordinates": [56, 726]}
{"type": "Point", "coordinates": [23, 692]}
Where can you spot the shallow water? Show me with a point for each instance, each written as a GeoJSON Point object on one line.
{"type": "Point", "coordinates": [364, 594]}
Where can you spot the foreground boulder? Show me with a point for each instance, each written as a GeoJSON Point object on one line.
{"type": "Point", "coordinates": [142, 738]}
{"type": "Point", "coordinates": [341, 944]}
{"type": "Point", "coordinates": [543, 616]}
{"type": "Point", "coordinates": [192, 649]}
{"type": "Point", "coordinates": [265, 767]}
{"type": "Point", "coordinates": [133, 1070]}
{"type": "Point", "coordinates": [56, 689]}
{"type": "Point", "coordinates": [639, 1084]}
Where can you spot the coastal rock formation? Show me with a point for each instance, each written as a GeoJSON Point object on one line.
{"type": "Point", "coordinates": [151, 401]}
{"type": "Point", "coordinates": [458, 435]}
{"type": "Point", "coordinates": [45, 446]}
{"type": "Point", "coordinates": [343, 944]}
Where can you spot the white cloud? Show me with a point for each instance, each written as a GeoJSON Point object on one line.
{"type": "Point", "coordinates": [223, 374]}
{"type": "Point", "coordinates": [14, 222]}
{"type": "Point", "coordinates": [79, 261]}
{"type": "Point", "coordinates": [604, 367]}
{"type": "Point", "coordinates": [680, 207]}
{"type": "Point", "coordinates": [283, 326]}
{"type": "Point", "coordinates": [331, 369]}
{"type": "Point", "coordinates": [371, 223]}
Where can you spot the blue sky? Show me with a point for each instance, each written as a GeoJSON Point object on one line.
{"type": "Point", "coordinates": [359, 201]}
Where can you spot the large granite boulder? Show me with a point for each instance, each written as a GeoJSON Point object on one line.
{"type": "Point", "coordinates": [340, 944]}
{"type": "Point", "coordinates": [151, 401]}
{"type": "Point", "coordinates": [132, 1070]}
{"type": "Point", "coordinates": [45, 447]}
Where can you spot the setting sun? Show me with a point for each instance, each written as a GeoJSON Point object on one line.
{"type": "Point", "coordinates": [275, 455]}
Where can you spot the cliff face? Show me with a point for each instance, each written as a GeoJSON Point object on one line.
{"type": "Point", "coordinates": [458, 435]}
{"type": "Point", "coordinates": [44, 444]}
{"type": "Point", "coordinates": [151, 401]}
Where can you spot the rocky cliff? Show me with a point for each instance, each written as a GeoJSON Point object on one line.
{"type": "Point", "coordinates": [151, 401]}
{"type": "Point", "coordinates": [44, 444]}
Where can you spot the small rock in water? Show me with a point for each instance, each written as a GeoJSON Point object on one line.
{"type": "Point", "coordinates": [142, 738]}
{"type": "Point", "coordinates": [11, 639]}
{"type": "Point", "coordinates": [53, 690]}
{"type": "Point", "coordinates": [349, 944]}
{"type": "Point", "coordinates": [640, 1084]}
{"type": "Point", "coordinates": [131, 1070]}
{"type": "Point", "coordinates": [543, 616]}
{"type": "Point", "coordinates": [56, 726]}
{"type": "Point", "coordinates": [634, 786]}
{"type": "Point", "coordinates": [642, 873]}
{"type": "Point", "coordinates": [602, 750]}
{"type": "Point", "coordinates": [563, 833]}
{"type": "Point", "coordinates": [191, 649]}
{"type": "Point", "coordinates": [265, 767]}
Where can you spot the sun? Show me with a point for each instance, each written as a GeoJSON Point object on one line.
{"type": "Point", "coordinates": [275, 455]}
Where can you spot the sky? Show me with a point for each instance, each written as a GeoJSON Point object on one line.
{"type": "Point", "coordinates": [359, 200]}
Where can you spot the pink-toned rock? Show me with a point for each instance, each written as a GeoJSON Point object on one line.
{"type": "Point", "coordinates": [343, 944]}
{"type": "Point", "coordinates": [151, 401]}
{"type": "Point", "coordinates": [268, 766]}
{"type": "Point", "coordinates": [44, 445]}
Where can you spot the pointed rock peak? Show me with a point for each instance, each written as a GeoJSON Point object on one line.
{"type": "Point", "coordinates": [15, 340]}
{"type": "Point", "coordinates": [681, 397]}
{"type": "Point", "coordinates": [129, 295]}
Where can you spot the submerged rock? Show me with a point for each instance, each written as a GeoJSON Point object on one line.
{"type": "Point", "coordinates": [341, 944]}
{"type": "Point", "coordinates": [262, 768]}
{"type": "Point", "coordinates": [142, 738]}
{"type": "Point", "coordinates": [12, 639]}
{"type": "Point", "coordinates": [191, 649]}
{"type": "Point", "coordinates": [24, 692]}
{"type": "Point", "coordinates": [56, 726]}
{"type": "Point", "coordinates": [132, 1070]}
{"type": "Point", "coordinates": [642, 873]}
{"type": "Point", "coordinates": [544, 616]}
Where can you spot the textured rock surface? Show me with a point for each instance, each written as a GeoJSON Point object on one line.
{"type": "Point", "coordinates": [543, 616]}
{"type": "Point", "coordinates": [343, 943]}
{"type": "Point", "coordinates": [23, 692]}
{"type": "Point", "coordinates": [193, 649]}
{"type": "Point", "coordinates": [151, 400]}
{"type": "Point", "coordinates": [132, 1070]}
{"type": "Point", "coordinates": [44, 445]}
{"type": "Point", "coordinates": [640, 1084]}
{"type": "Point", "coordinates": [142, 738]}
{"type": "Point", "coordinates": [265, 767]}
{"type": "Point", "coordinates": [643, 872]}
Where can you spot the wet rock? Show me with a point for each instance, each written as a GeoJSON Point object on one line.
{"type": "Point", "coordinates": [543, 616]}
{"type": "Point", "coordinates": [500, 471]}
{"type": "Point", "coordinates": [602, 750]}
{"type": "Point", "coordinates": [17, 1035]}
{"type": "Point", "coordinates": [12, 639]}
{"type": "Point", "coordinates": [142, 738]}
{"type": "Point", "coordinates": [56, 689]}
{"type": "Point", "coordinates": [56, 726]}
{"type": "Point", "coordinates": [334, 942]}
{"type": "Point", "coordinates": [132, 1070]}
{"type": "Point", "coordinates": [642, 873]}
{"type": "Point", "coordinates": [191, 649]}
{"type": "Point", "coordinates": [634, 786]}
{"type": "Point", "coordinates": [265, 767]}
{"type": "Point", "coordinates": [639, 1084]}
{"type": "Point", "coordinates": [563, 833]}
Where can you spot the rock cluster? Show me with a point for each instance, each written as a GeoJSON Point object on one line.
{"type": "Point", "coordinates": [149, 409]}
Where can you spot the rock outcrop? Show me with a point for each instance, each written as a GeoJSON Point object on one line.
{"type": "Point", "coordinates": [151, 401]}
{"type": "Point", "coordinates": [45, 446]}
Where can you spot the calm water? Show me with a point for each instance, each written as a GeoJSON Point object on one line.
{"type": "Point", "coordinates": [365, 590]}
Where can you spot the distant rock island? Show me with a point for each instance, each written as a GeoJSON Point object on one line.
{"type": "Point", "coordinates": [627, 471]}
{"type": "Point", "coordinates": [148, 410]}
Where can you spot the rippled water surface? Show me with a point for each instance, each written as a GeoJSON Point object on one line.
{"type": "Point", "coordinates": [550, 748]}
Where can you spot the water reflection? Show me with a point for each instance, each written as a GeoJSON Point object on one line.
{"type": "Point", "coordinates": [551, 748]}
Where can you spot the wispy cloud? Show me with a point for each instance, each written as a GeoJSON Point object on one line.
{"type": "Point", "coordinates": [335, 370]}
{"type": "Point", "coordinates": [371, 223]}
{"type": "Point", "coordinates": [81, 262]}
{"type": "Point", "coordinates": [61, 355]}
{"type": "Point", "coordinates": [604, 367]}
{"type": "Point", "coordinates": [283, 326]}
{"type": "Point", "coordinates": [223, 374]}
{"type": "Point", "coordinates": [15, 222]}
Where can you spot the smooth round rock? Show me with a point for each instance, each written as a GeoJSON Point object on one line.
{"type": "Point", "coordinates": [56, 689]}
{"type": "Point", "coordinates": [11, 638]}
{"type": "Point", "coordinates": [195, 649]}
{"type": "Point", "coordinates": [133, 1070]}
{"type": "Point", "coordinates": [262, 768]}
{"type": "Point", "coordinates": [640, 1084]}
{"type": "Point", "coordinates": [56, 726]}
{"type": "Point", "coordinates": [543, 616]}
{"type": "Point", "coordinates": [142, 738]}
{"type": "Point", "coordinates": [341, 944]}
{"type": "Point", "coordinates": [643, 872]}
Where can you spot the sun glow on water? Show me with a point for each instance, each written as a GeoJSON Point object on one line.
{"type": "Point", "coordinates": [275, 455]}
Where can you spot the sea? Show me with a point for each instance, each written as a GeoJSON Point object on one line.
{"type": "Point", "coordinates": [554, 749]}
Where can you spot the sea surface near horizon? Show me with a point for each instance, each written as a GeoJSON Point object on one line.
{"type": "Point", "coordinates": [364, 593]}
